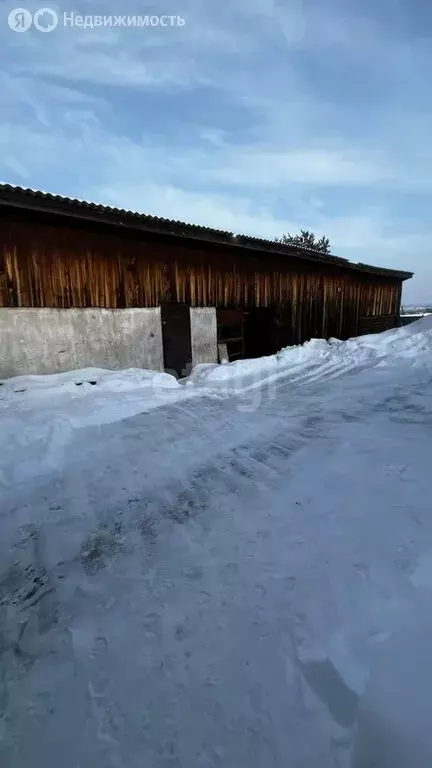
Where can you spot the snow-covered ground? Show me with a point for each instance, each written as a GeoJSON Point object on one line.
{"type": "Point", "coordinates": [210, 572]}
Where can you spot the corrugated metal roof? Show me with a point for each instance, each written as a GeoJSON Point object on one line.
{"type": "Point", "coordinates": [35, 200]}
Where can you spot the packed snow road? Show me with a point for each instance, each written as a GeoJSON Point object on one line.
{"type": "Point", "coordinates": [212, 581]}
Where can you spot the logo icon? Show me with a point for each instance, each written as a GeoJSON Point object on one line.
{"type": "Point", "coordinates": [20, 20]}
{"type": "Point", "coordinates": [45, 20]}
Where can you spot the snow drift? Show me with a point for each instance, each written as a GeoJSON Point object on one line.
{"type": "Point", "coordinates": [39, 414]}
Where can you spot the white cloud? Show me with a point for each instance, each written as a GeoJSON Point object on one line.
{"type": "Point", "coordinates": [303, 166]}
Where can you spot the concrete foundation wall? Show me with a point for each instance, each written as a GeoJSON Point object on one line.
{"type": "Point", "coordinates": [203, 335]}
{"type": "Point", "coordinates": [55, 340]}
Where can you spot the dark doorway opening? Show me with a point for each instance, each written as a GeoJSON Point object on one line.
{"type": "Point", "coordinates": [260, 332]}
{"type": "Point", "coordinates": [230, 332]}
{"type": "Point", "coordinates": [176, 334]}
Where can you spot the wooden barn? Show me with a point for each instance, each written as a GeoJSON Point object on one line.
{"type": "Point", "coordinates": [83, 284]}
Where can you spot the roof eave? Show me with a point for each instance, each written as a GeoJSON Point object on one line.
{"type": "Point", "coordinates": [40, 202]}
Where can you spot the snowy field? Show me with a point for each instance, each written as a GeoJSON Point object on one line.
{"type": "Point", "coordinates": [233, 570]}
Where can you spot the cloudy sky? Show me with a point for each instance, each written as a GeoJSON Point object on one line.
{"type": "Point", "coordinates": [256, 116]}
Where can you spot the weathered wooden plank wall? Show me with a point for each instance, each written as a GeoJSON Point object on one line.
{"type": "Point", "coordinates": [52, 266]}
